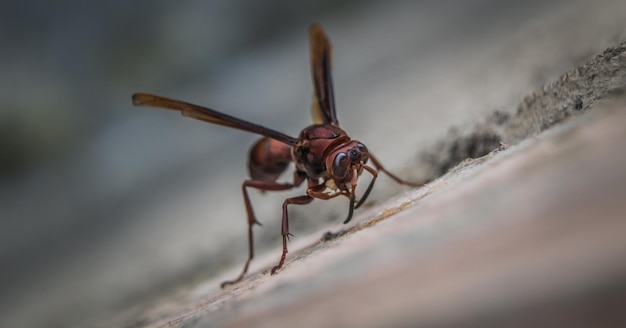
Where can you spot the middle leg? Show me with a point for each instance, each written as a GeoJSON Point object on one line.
{"type": "Point", "coordinates": [264, 186]}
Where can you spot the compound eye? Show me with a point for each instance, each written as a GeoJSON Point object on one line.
{"type": "Point", "coordinates": [365, 155]}
{"type": "Point", "coordinates": [340, 166]}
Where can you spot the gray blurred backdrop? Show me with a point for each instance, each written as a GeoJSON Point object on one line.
{"type": "Point", "coordinates": [102, 202]}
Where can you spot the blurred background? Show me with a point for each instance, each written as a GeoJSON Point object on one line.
{"type": "Point", "coordinates": [102, 202]}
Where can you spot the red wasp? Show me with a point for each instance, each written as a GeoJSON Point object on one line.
{"type": "Point", "coordinates": [323, 154]}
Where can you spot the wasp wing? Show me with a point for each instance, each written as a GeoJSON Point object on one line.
{"type": "Point", "coordinates": [209, 115]}
{"type": "Point", "coordinates": [323, 107]}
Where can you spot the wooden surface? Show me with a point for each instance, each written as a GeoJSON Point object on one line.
{"type": "Point", "coordinates": [533, 235]}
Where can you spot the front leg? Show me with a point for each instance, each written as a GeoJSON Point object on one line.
{"type": "Point", "coordinates": [395, 178]}
{"type": "Point", "coordinates": [301, 200]}
{"type": "Point", "coordinates": [374, 172]}
{"type": "Point", "coordinates": [319, 191]}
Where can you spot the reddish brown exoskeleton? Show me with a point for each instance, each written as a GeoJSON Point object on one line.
{"type": "Point", "coordinates": [323, 153]}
